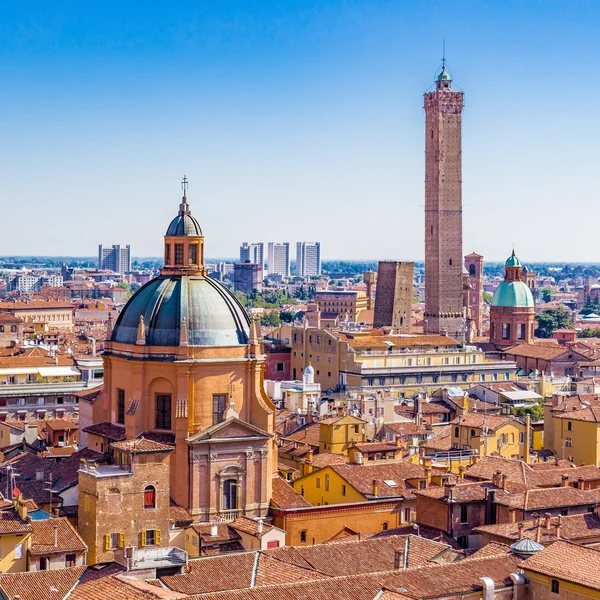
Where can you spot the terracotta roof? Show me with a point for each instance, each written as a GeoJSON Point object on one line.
{"type": "Point", "coordinates": [224, 533]}
{"type": "Point", "coordinates": [544, 498]}
{"type": "Point", "coordinates": [162, 437]}
{"type": "Point", "coordinates": [441, 441]}
{"type": "Point", "coordinates": [377, 447]}
{"type": "Point", "coordinates": [10, 522]}
{"type": "Point", "coordinates": [34, 305]}
{"type": "Point", "coordinates": [308, 434]}
{"type": "Point", "coordinates": [14, 362]}
{"type": "Point", "coordinates": [569, 562]}
{"type": "Point", "coordinates": [416, 341]}
{"type": "Point", "coordinates": [250, 527]}
{"type": "Point", "coordinates": [463, 491]}
{"type": "Point", "coordinates": [361, 477]}
{"type": "Point", "coordinates": [477, 420]}
{"type": "Point", "coordinates": [365, 556]}
{"type": "Point", "coordinates": [285, 496]}
{"type": "Point", "coordinates": [42, 539]}
{"type": "Point", "coordinates": [89, 395]}
{"type": "Point", "coordinates": [41, 585]}
{"type": "Point", "coordinates": [541, 352]}
{"type": "Point", "coordinates": [237, 571]}
{"type": "Point", "coordinates": [115, 433]}
{"type": "Point", "coordinates": [61, 425]}
{"type": "Point", "coordinates": [591, 414]}
{"type": "Point", "coordinates": [139, 445]}
{"type": "Point", "coordinates": [487, 466]}
{"type": "Point", "coordinates": [445, 580]}
{"type": "Point", "coordinates": [115, 587]}
{"type": "Point", "coordinates": [178, 516]}
{"type": "Point", "coordinates": [572, 527]}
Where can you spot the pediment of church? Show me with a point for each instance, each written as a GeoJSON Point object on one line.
{"type": "Point", "coordinates": [230, 429]}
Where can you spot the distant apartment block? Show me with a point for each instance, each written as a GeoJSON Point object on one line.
{"type": "Point", "coordinates": [308, 258]}
{"type": "Point", "coordinates": [115, 258]}
{"type": "Point", "coordinates": [247, 277]}
{"type": "Point", "coordinates": [279, 259]}
{"type": "Point", "coordinates": [32, 283]}
{"type": "Point", "coordinates": [253, 253]}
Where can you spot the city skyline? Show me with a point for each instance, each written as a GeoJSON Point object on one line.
{"type": "Point", "coordinates": [313, 117]}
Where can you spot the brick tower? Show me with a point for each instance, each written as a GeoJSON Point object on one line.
{"type": "Point", "coordinates": [443, 209]}
{"type": "Point", "coordinates": [393, 300]}
{"type": "Point", "coordinates": [474, 266]}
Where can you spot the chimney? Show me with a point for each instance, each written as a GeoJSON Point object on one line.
{"type": "Point", "coordinates": [520, 530]}
{"type": "Point", "coordinates": [557, 526]}
{"type": "Point", "coordinates": [260, 526]}
{"type": "Point", "coordinates": [309, 455]}
{"type": "Point", "coordinates": [213, 530]}
{"type": "Point", "coordinates": [461, 471]}
{"type": "Point", "coordinates": [399, 441]}
{"type": "Point", "coordinates": [547, 517]}
{"type": "Point", "coordinates": [538, 531]}
{"type": "Point", "coordinates": [474, 459]}
{"type": "Point", "coordinates": [450, 491]}
{"type": "Point", "coordinates": [536, 519]}
{"type": "Point", "coordinates": [581, 483]}
{"type": "Point", "coordinates": [55, 534]}
{"type": "Point", "coordinates": [512, 515]}
{"type": "Point", "coordinates": [427, 472]}
{"type": "Point", "coordinates": [565, 481]}
{"type": "Point", "coordinates": [401, 555]}
{"type": "Point", "coordinates": [503, 481]}
{"type": "Point", "coordinates": [375, 488]}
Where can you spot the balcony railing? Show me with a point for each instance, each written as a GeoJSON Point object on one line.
{"type": "Point", "coordinates": [229, 515]}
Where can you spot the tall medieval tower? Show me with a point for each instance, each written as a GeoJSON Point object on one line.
{"type": "Point", "coordinates": [443, 209]}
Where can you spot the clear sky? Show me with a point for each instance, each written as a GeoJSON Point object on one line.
{"type": "Point", "coordinates": [295, 119]}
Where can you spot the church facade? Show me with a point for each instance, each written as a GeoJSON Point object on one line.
{"type": "Point", "coordinates": [184, 366]}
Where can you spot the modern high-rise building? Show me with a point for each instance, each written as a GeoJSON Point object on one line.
{"type": "Point", "coordinates": [308, 258]}
{"type": "Point", "coordinates": [394, 295]}
{"type": "Point", "coordinates": [443, 209]}
{"type": "Point", "coordinates": [279, 258]}
{"type": "Point", "coordinates": [116, 258]}
{"type": "Point", "coordinates": [253, 253]}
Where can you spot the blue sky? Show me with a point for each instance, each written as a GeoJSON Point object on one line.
{"type": "Point", "coordinates": [295, 120]}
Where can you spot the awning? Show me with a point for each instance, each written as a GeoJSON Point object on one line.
{"type": "Point", "coordinates": [19, 371]}
{"type": "Point", "coordinates": [58, 371]}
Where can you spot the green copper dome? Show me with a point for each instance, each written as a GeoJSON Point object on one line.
{"type": "Point", "coordinates": [444, 76]}
{"type": "Point", "coordinates": [513, 261]}
{"type": "Point", "coordinates": [513, 293]}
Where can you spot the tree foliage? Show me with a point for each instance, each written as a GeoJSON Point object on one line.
{"type": "Point", "coordinates": [552, 319]}
{"type": "Point", "coordinates": [270, 319]}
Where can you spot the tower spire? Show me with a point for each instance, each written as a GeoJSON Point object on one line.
{"type": "Point", "coordinates": [184, 207]}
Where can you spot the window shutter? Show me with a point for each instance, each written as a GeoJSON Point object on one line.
{"type": "Point", "coordinates": [157, 537]}
{"type": "Point", "coordinates": [143, 537]}
{"type": "Point", "coordinates": [107, 541]}
{"type": "Point", "coordinates": [122, 539]}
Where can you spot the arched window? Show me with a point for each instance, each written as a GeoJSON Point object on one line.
{"type": "Point", "coordinates": [385, 525]}
{"type": "Point", "coordinates": [303, 536]}
{"type": "Point", "coordinates": [13, 328]}
{"type": "Point", "coordinates": [150, 497]}
{"type": "Point", "coordinates": [472, 433]}
{"type": "Point", "coordinates": [230, 494]}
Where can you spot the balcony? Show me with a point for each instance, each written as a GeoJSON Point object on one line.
{"type": "Point", "coordinates": [229, 515]}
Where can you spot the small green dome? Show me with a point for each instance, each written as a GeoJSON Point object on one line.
{"type": "Point", "coordinates": [444, 76]}
{"type": "Point", "coordinates": [513, 261]}
{"type": "Point", "coordinates": [513, 293]}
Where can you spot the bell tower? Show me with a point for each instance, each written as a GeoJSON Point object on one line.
{"type": "Point", "coordinates": [443, 209]}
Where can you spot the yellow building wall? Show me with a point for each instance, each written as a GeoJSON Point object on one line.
{"type": "Point", "coordinates": [485, 446]}
{"type": "Point", "coordinates": [538, 439]}
{"type": "Point", "coordinates": [549, 430]}
{"type": "Point", "coordinates": [9, 563]}
{"type": "Point", "coordinates": [337, 437]}
{"type": "Point", "coordinates": [585, 440]}
{"type": "Point", "coordinates": [325, 486]}
{"type": "Point", "coordinates": [323, 525]}
{"type": "Point", "coordinates": [539, 588]}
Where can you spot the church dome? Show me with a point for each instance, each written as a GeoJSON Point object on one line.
{"type": "Point", "coordinates": [512, 261]}
{"type": "Point", "coordinates": [444, 75]}
{"type": "Point", "coordinates": [213, 316]}
{"type": "Point", "coordinates": [514, 294]}
{"type": "Point", "coordinates": [183, 225]}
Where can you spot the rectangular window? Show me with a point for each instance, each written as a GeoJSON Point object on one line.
{"type": "Point", "coordinates": [193, 254]}
{"type": "Point", "coordinates": [521, 331]}
{"type": "Point", "coordinates": [568, 442]}
{"type": "Point", "coordinates": [219, 407]}
{"type": "Point", "coordinates": [167, 254]}
{"type": "Point", "coordinates": [280, 367]}
{"type": "Point", "coordinates": [555, 587]}
{"type": "Point", "coordinates": [327, 482]}
{"type": "Point", "coordinates": [44, 563]}
{"type": "Point", "coordinates": [150, 537]}
{"type": "Point", "coordinates": [464, 517]}
{"type": "Point", "coordinates": [114, 541]}
{"type": "Point", "coordinates": [120, 406]}
{"type": "Point", "coordinates": [343, 490]}
{"type": "Point", "coordinates": [318, 482]}
{"type": "Point", "coordinates": [506, 331]}
{"type": "Point", "coordinates": [521, 437]}
{"type": "Point", "coordinates": [569, 426]}
{"type": "Point", "coordinates": [178, 254]}
{"type": "Point", "coordinates": [70, 560]}
{"type": "Point", "coordinates": [163, 411]}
